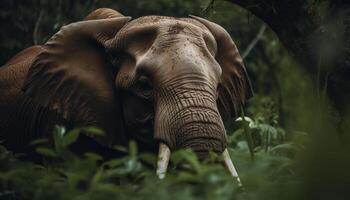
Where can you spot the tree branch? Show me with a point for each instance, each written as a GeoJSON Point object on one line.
{"type": "Point", "coordinates": [254, 41]}
{"type": "Point", "coordinates": [36, 28]}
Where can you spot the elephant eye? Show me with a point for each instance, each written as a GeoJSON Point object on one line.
{"type": "Point", "coordinates": [145, 83]}
{"type": "Point", "coordinates": [144, 87]}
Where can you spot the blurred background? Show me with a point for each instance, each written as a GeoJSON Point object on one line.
{"type": "Point", "coordinates": [293, 147]}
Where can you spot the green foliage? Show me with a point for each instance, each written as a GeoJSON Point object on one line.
{"type": "Point", "coordinates": [288, 164]}
{"type": "Point", "coordinates": [283, 170]}
{"type": "Point", "coordinates": [66, 176]}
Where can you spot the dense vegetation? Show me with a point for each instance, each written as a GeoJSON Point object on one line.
{"type": "Point", "coordinates": [292, 149]}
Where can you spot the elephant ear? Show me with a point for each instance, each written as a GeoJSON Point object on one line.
{"type": "Point", "coordinates": [235, 84]}
{"type": "Point", "coordinates": [103, 13]}
{"type": "Point", "coordinates": [72, 75]}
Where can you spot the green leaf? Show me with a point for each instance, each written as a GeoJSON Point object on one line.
{"type": "Point", "coordinates": [107, 188]}
{"type": "Point", "coordinates": [115, 162]}
{"type": "Point", "coordinates": [186, 156]}
{"type": "Point", "coordinates": [248, 134]}
{"type": "Point", "coordinates": [74, 178]}
{"type": "Point", "coordinates": [132, 148]}
{"type": "Point", "coordinates": [60, 130]}
{"type": "Point", "coordinates": [91, 130]}
{"type": "Point", "coordinates": [97, 177]}
{"type": "Point", "coordinates": [150, 159]}
{"type": "Point", "coordinates": [46, 152]}
{"type": "Point", "coordinates": [120, 148]}
{"type": "Point", "coordinates": [58, 133]}
{"type": "Point", "coordinates": [39, 141]}
{"type": "Point", "coordinates": [132, 165]}
{"type": "Point", "coordinates": [93, 156]}
{"type": "Point", "coordinates": [188, 177]}
{"type": "Point", "coordinates": [70, 137]}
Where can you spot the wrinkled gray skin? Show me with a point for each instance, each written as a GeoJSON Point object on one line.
{"type": "Point", "coordinates": [172, 56]}
{"type": "Point", "coordinates": [151, 79]}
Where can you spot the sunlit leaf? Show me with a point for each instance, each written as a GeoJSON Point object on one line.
{"type": "Point", "coordinates": [70, 137]}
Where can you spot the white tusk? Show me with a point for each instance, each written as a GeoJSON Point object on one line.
{"type": "Point", "coordinates": [163, 160]}
{"type": "Point", "coordinates": [231, 168]}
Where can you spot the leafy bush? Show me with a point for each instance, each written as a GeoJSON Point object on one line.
{"type": "Point", "coordinates": [289, 164]}
{"type": "Point", "coordinates": [64, 175]}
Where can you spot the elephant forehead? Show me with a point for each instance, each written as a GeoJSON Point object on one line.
{"type": "Point", "coordinates": [168, 60]}
{"type": "Point", "coordinates": [163, 20]}
{"type": "Point", "coordinates": [167, 25]}
{"type": "Point", "coordinates": [142, 34]}
{"type": "Point", "coordinates": [176, 44]}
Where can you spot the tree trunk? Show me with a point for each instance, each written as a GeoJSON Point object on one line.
{"type": "Point", "coordinates": [316, 34]}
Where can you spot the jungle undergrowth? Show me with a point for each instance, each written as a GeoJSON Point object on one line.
{"type": "Point", "coordinates": [64, 175]}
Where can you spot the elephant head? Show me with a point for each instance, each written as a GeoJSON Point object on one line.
{"type": "Point", "coordinates": [153, 79]}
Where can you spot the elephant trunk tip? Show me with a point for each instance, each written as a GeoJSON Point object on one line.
{"type": "Point", "coordinates": [202, 146]}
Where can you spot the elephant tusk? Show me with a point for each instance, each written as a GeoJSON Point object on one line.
{"type": "Point", "coordinates": [231, 168]}
{"type": "Point", "coordinates": [163, 160]}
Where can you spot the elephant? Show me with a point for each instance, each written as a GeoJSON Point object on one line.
{"type": "Point", "coordinates": [162, 81]}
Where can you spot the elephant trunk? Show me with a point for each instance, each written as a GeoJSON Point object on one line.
{"type": "Point", "coordinates": [200, 130]}
{"type": "Point", "coordinates": [187, 117]}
